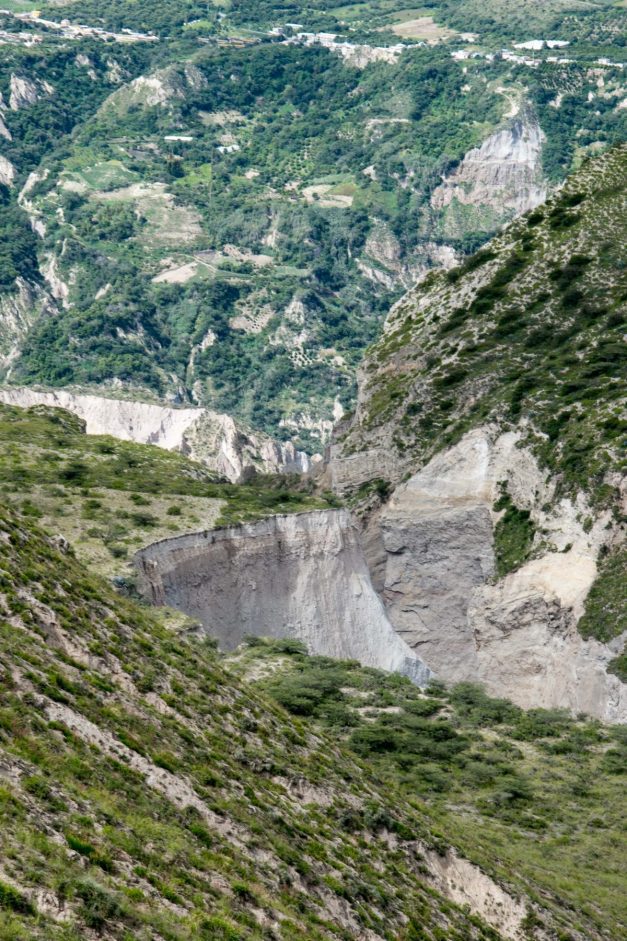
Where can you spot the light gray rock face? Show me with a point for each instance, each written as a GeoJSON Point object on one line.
{"type": "Point", "coordinates": [517, 635]}
{"type": "Point", "coordinates": [206, 436]}
{"type": "Point", "coordinates": [4, 131]}
{"type": "Point", "coordinates": [382, 261]}
{"type": "Point", "coordinates": [7, 172]}
{"type": "Point", "coordinates": [19, 310]}
{"type": "Point", "coordinates": [529, 648]}
{"type": "Point", "coordinates": [496, 181]}
{"type": "Point", "coordinates": [26, 91]}
{"type": "Point", "coordinates": [302, 576]}
{"type": "Point", "coordinates": [345, 472]}
{"type": "Point", "coordinates": [434, 563]}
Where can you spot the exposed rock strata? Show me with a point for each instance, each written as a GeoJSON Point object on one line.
{"type": "Point", "coordinates": [383, 263]}
{"type": "Point", "coordinates": [496, 181]}
{"type": "Point", "coordinates": [517, 635]}
{"type": "Point", "coordinates": [4, 131]}
{"type": "Point", "coordinates": [7, 172]}
{"type": "Point", "coordinates": [301, 576]}
{"type": "Point", "coordinates": [25, 91]}
{"type": "Point", "coordinates": [466, 884]}
{"type": "Point", "coordinates": [26, 203]}
{"type": "Point", "coordinates": [209, 437]}
{"type": "Point", "coordinates": [346, 472]}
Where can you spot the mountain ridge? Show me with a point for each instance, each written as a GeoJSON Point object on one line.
{"type": "Point", "coordinates": [488, 460]}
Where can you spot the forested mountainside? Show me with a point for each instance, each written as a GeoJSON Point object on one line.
{"type": "Point", "coordinates": [217, 204]}
{"type": "Point", "coordinates": [491, 421]}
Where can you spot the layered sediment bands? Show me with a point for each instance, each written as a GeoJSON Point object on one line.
{"type": "Point", "coordinates": [302, 576]}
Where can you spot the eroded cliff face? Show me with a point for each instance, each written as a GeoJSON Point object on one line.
{"type": "Point", "coordinates": [517, 635]}
{"type": "Point", "coordinates": [477, 349]}
{"type": "Point", "coordinates": [383, 263]}
{"type": "Point", "coordinates": [302, 576]}
{"type": "Point", "coordinates": [206, 436]}
{"type": "Point", "coordinates": [494, 182]}
{"type": "Point", "coordinates": [18, 311]}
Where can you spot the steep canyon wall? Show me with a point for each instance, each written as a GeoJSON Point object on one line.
{"type": "Point", "coordinates": [302, 576]}
{"type": "Point", "coordinates": [435, 565]}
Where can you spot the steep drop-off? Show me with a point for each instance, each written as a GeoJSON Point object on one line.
{"type": "Point", "coordinates": [205, 436]}
{"type": "Point", "coordinates": [490, 410]}
{"type": "Point", "coordinates": [147, 793]}
{"type": "Point", "coordinates": [301, 576]}
{"type": "Point", "coordinates": [494, 182]}
{"type": "Point", "coordinates": [518, 634]}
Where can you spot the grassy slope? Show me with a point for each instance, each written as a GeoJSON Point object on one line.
{"type": "Point", "coordinates": [535, 797]}
{"type": "Point", "coordinates": [529, 328]}
{"type": "Point", "coordinates": [147, 794]}
{"type": "Point", "coordinates": [109, 497]}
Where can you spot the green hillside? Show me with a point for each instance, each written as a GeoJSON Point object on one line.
{"type": "Point", "coordinates": [148, 794]}
{"type": "Point", "coordinates": [109, 497]}
{"type": "Point", "coordinates": [527, 330]}
{"type": "Point", "coordinates": [534, 797]}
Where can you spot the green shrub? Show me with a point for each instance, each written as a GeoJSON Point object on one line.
{"type": "Point", "coordinates": [74, 472]}
{"type": "Point", "coordinates": [216, 928]}
{"type": "Point", "coordinates": [513, 535]}
{"type": "Point", "coordinates": [14, 901]}
{"type": "Point", "coordinates": [605, 615]}
{"type": "Point", "coordinates": [144, 520]}
{"type": "Point", "coordinates": [99, 906]}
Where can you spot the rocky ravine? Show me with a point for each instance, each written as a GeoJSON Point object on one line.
{"type": "Point", "coordinates": [302, 576]}
{"type": "Point", "coordinates": [430, 555]}
{"type": "Point", "coordinates": [206, 436]}
{"type": "Point", "coordinates": [430, 550]}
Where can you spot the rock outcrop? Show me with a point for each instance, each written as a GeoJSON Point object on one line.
{"type": "Point", "coordinates": [206, 436]}
{"type": "Point", "coordinates": [157, 90]}
{"type": "Point", "coordinates": [517, 635]}
{"type": "Point", "coordinates": [382, 261]}
{"type": "Point", "coordinates": [7, 172]}
{"type": "Point", "coordinates": [26, 91]}
{"type": "Point", "coordinates": [503, 458]}
{"type": "Point", "coordinates": [27, 204]}
{"type": "Point", "coordinates": [496, 181]}
{"type": "Point", "coordinates": [18, 312]}
{"type": "Point", "coordinates": [301, 576]}
{"type": "Point", "coordinates": [4, 130]}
